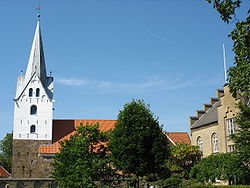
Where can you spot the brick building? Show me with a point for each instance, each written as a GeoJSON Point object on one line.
{"type": "Point", "coordinates": [211, 127]}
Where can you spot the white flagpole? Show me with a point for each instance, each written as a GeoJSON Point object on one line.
{"type": "Point", "coordinates": [225, 63]}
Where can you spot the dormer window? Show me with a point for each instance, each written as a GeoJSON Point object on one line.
{"type": "Point", "coordinates": [33, 110]}
{"type": "Point", "coordinates": [30, 92]}
{"type": "Point", "coordinates": [37, 92]}
{"type": "Point", "coordinates": [32, 129]}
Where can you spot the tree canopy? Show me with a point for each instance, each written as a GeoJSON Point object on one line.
{"type": "Point", "coordinates": [242, 136]}
{"type": "Point", "coordinates": [239, 75]}
{"type": "Point", "coordinates": [181, 159]}
{"type": "Point", "coordinates": [83, 159]}
{"type": "Point", "coordinates": [6, 151]}
{"type": "Point", "coordinates": [138, 146]}
{"type": "Point", "coordinates": [224, 166]}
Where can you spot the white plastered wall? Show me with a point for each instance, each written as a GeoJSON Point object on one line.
{"type": "Point", "coordinates": [23, 120]}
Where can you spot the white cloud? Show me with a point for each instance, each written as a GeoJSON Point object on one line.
{"type": "Point", "coordinates": [73, 82]}
{"type": "Point", "coordinates": [152, 84]}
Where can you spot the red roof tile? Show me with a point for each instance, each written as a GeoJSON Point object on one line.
{"type": "Point", "coordinates": [179, 137]}
{"type": "Point", "coordinates": [63, 129]}
{"type": "Point", "coordinates": [4, 173]}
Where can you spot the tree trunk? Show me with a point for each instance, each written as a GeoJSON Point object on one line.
{"type": "Point", "coordinates": [138, 181]}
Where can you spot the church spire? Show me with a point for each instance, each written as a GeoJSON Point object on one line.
{"type": "Point", "coordinates": [36, 64]}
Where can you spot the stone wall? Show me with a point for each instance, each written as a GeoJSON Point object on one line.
{"type": "Point", "coordinates": [27, 183]}
{"type": "Point", "coordinates": [26, 161]}
{"type": "Point", "coordinates": [205, 133]}
{"type": "Point", "coordinates": [226, 110]}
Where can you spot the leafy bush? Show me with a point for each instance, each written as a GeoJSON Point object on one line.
{"type": "Point", "coordinates": [172, 183]}
{"type": "Point", "coordinates": [221, 166]}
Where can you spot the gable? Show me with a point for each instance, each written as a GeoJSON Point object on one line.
{"type": "Point", "coordinates": [34, 80]}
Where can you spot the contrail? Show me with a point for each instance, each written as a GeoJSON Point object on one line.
{"type": "Point", "coordinates": [150, 32]}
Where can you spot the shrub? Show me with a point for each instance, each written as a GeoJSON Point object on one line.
{"type": "Point", "coordinates": [172, 183]}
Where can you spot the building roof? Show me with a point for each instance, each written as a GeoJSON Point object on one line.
{"type": "Point", "coordinates": [36, 60]}
{"type": "Point", "coordinates": [36, 65]}
{"type": "Point", "coordinates": [4, 173]}
{"type": "Point", "coordinates": [63, 129]}
{"type": "Point", "coordinates": [178, 137]}
{"type": "Point", "coordinates": [211, 116]}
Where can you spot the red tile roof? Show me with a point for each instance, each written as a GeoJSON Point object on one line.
{"type": "Point", "coordinates": [63, 129]}
{"type": "Point", "coordinates": [178, 137]}
{"type": "Point", "coordinates": [4, 173]}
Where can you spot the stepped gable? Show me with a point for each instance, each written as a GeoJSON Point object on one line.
{"type": "Point", "coordinates": [178, 137]}
{"type": "Point", "coordinates": [209, 114]}
{"type": "Point", "coordinates": [63, 129]}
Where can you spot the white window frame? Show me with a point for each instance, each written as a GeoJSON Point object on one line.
{"type": "Point", "coordinates": [230, 126]}
{"type": "Point", "coordinates": [231, 148]}
{"type": "Point", "coordinates": [215, 143]}
{"type": "Point", "coordinates": [199, 143]}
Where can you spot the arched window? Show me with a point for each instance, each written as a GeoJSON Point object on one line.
{"type": "Point", "coordinates": [33, 110]}
{"type": "Point", "coordinates": [199, 143]}
{"type": "Point", "coordinates": [20, 185]}
{"type": "Point", "coordinates": [215, 143]}
{"type": "Point", "coordinates": [37, 92]}
{"type": "Point", "coordinates": [32, 129]}
{"type": "Point", "coordinates": [30, 92]}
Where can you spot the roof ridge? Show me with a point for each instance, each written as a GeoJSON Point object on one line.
{"type": "Point", "coordinates": [205, 113]}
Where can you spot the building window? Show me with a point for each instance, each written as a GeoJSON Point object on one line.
{"type": "Point", "coordinates": [30, 173]}
{"type": "Point", "coordinates": [37, 92]}
{"type": "Point", "coordinates": [199, 143]}
{"type": "Point", "coordinates": [33, 110]}
{"type": "Point", "coordinates": [37, 185]}
{"type": "Point", "coordinates": [20, 185]}
{"type": "Point", "coordinates": [30, 92]}
{"type": "Point", "coordinates": [32, 129]}
{"type": "Point", "coordinates": [230, 126]}
{"type": "Point", "coordinates": [231, 148]}
{"type": "Point", "coordinates": [215, 143]}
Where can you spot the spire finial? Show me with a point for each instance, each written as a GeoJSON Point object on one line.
{"type": "Point", "coordinates": [38, 11]}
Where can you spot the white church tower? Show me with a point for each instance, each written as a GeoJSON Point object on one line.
{"type": "Point", "coordinates": [33, 111]}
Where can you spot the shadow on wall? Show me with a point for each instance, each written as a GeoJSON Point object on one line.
{"type": "Point", "coordinates": [62, 128]}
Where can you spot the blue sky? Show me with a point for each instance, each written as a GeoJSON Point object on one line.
{"type": "Point", "coordinates": [104, 53]}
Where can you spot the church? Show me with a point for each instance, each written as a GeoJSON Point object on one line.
{"type": "Point", "coordinates": [36, 134]}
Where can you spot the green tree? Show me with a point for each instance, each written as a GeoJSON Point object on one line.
{"type": "Point", "coordinates": [6, 151]}
{"type": "Point", "coordinates": [239, 75]}
{"type": "Point", "coordinates": [224, 166]}
{"type": "Point", "coordinates": [138, 145]}
{"type": "Point", "coordinates": [242, 136]}
{"type": "Point", "coordinates": [83, 159]}
{"type": "Point", "coordinates": [181, 159]}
